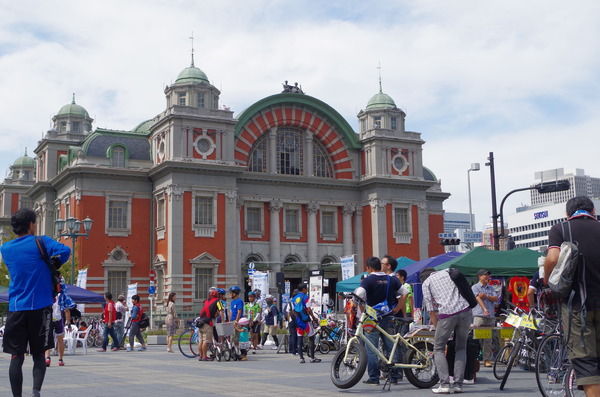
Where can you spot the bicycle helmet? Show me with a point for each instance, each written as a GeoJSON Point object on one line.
{"type": "Point", "coordinates": [235, 289]}
{"type": "Point", "coordinates": [221, 291]}
{"type": "Point", "coordinates": [252, 293]}
{"type": "Point", "coordinates": [269, 297]}
{"type": "Point", "coordinates": [213, 294]}
{"type": "Point", "coordinates": [243, 321]}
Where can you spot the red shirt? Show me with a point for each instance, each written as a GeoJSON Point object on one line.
{"type": "Point", "coordinates": [518, 286]}
{"type": "Point", "coordinates": [110, 308]}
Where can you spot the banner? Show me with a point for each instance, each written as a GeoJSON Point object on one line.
{"type": "Point", "coordinates": [81, 283]}
{"type": "Point", "coordinates": [316, 294]}
{"type": "Point", "coordinates": [347, 266]}
{"type": "Point", "coordinates": [131, 290]}
{"type": "Point", "coordinates": [261, 281]}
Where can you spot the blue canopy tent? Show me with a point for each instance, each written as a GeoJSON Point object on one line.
{"type": "Point", "coordinates": [414, 269]}
{"type": "Point", "coordinates": [403, 261]}
{"type": "Point", "coordinates": [77, 294]}
{"type": "Point", "coordinates": [350, 284]}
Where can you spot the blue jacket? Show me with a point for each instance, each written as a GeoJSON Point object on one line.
{"type": "Point", "coordinates": [30, 283]}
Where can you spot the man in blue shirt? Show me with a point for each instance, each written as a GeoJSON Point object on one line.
{"type": "Point", "coordinates": [30, 299]}
{"type": "Point", "coordinates": [483, 314]}
{"type": "Point", "coordinates": [237, 311]}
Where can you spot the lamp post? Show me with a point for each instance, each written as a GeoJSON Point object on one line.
{"type": "Point", "coordinates": [73, 226]}
{"type": "Point", "coordinates": [490, 164]}
{"type": "Point", "coordinates": [474, 167]}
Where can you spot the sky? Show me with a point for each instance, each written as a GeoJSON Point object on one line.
{"type": "Point", "coordinates": [516, 78]}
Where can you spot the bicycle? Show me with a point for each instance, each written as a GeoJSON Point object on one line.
{"type": "Point", "coordinates": [329, 336]}
{"type": "Point", "coordinates": [95, 337]}
{"type": "Point", "coordinates": [525, 346]}
{"type": "Point", "coordinates": [189, 340]}
{"type": "Point", "coordinates": [349, 364]}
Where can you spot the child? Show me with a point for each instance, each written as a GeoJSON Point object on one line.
{"type": "Point", "coordinates": [242, 327]}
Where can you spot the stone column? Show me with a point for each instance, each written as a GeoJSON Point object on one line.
{"type": "Point", "coordinates": [358, 233]}
{"type": "Point", "coordinates": [378, 226]}
{"type": "Point", "coordinates": [348, 210]}
{"type": "Point", "coordinates": [308, 153]}
{"type": "Point", "coordinates": [272, 151]}
{"type": "Point", "coordinates": [174, 232]}
{"type": "Point", "coordinates": [312, 208]}
{"type": "Point", "coordinates": [275, 238]}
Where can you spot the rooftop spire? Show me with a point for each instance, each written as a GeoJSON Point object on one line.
{"type": "Point", "coordinates": [73, 102]}
{"type": "Point", "coordinates": [379, 67]}
{"type": "Point", "coordinates": [192, 38]}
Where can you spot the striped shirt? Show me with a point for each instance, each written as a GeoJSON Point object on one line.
{"type": "Point", "coordinates": [441, 294]}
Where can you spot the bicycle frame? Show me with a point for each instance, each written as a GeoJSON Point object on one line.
{"type": "Point", "coordinates": [370, 314]}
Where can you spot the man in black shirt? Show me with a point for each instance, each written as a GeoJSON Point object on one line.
{"type": "Point", "coordinates": [373, 289]}
{"type": "Point", "coordinates": [582, 228]}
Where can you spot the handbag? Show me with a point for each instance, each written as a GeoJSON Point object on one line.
{"type": "Point", "coordinates": [383, 307]}
{"type": "Point", "coordinates": [53, 265]}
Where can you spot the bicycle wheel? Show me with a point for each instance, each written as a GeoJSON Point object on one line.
{"type": "Point", "coordinates": [227, 352]}
{"type": "Point", "coordinates": [501, 361]}
{"type": "Point", "coordinates": [90, 340]}
{"type": "Point", "coordinates": [551, 366]}
{"type": "Point", "coordinates": [218, 352]}
{"type": "Point", "coordinates": [98, 339]}
{"type": "Point", "coordinates": [571, 389]}
{"type": "Point", "coordinates": [324, 347]}
{"type": "Point", "coordinates": [511, 361]}
{"type": "Point", "coordinates": [425, 377]}
{"type": "Point", "coordinates": [347, 373]}
{"type": "Point", "coordinates": [188, 343]}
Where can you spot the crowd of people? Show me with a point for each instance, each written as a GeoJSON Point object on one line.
{"type": "Point", "coordinates": [37, 313]}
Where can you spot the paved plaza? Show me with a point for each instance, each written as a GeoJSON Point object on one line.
{"type": "Point", "coordinates": [266, 373]}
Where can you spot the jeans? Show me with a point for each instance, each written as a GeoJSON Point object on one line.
{"type": "Point", "coordinates": [372, 358]}
{"type": "Point", "coordinates": [112, 332]}
{"type": "Point", "coordinates": [459, 324]}
{"type": "Point", "coordinates": [293, 339]}
{"type": "Point", "coordinates": [134, 332]}
{"type": "Point", "coordinates": [120, 328]}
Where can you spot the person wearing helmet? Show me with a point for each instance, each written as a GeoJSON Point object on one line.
{"type": "Point", "coordinates": [270, 315]}
{"type": "Point", "coordinates": [223, 299]}
{"type": "Point", "coordinates": [241, 327]}
{"type": "Point", "coordinates": [210, 310]}
{"type": "Point", "coordinates": [253, 312]}
{"type": "Point", "coordinates": [237, 310]}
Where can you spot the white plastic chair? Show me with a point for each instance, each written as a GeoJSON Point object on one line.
{"type": "Point", "coordinates": [78, 336]}
{"type": "Point", "coordinates": [1, 336]}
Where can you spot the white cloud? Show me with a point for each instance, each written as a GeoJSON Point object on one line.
{"type": "Point", "coordinates": [516, 78]}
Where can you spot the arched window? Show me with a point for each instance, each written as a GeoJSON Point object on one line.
{"type": "Point", "coordinates": [258, 156]}
{"type": "Point", "coordinates": [290, 152]}
{"type": "Point", "coordinates": [118, 156]}
{"type": "Point", "coordinates": [254, 258]}
{"type": "Point", "coordinates": [321, 164]}
{"type": "Point", "coordinates": [291, 259]}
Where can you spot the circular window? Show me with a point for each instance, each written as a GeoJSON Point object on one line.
{"type": "Point", "coordinates": [117, 255]}
{"type": "Point", "coordinates": [161, 150]}
{"type": "Point", "coordinates": [400, 163]}
{"type": "Point", "coordinates": [203, 145]}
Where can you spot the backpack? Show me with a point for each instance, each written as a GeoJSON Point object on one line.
{"type": "Point", "coordinates": [463, 287]}
{"type": "Point", "coordinates": [563, 274]}
{"type": "Point", "coordinates": [300, 308]}
{"type": "Point", "coordinates": [53, 264]}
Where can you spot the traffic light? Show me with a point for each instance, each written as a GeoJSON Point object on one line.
{"type": "Point", "coordinates": [553, 186]}
{"type": "Point", "coordinates": [450, 241]}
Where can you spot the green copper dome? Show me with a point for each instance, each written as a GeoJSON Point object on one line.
{"type": "Point", "coordinates": [73, 109]}
{"type": "Point", "coordinates": [24, 161]}
{"type": "Point", "coordinates": [381, 101]}
{"type": "Point", "coordinates": [191, 74]}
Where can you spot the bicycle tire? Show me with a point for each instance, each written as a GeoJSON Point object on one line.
{"type": "Point", "coordinates": [426, 377]}
{"type": "Point", "coordinates": [98, 339]}
{"type": "Point", "coordinates": [188, 343]}
{"type": "Point", "coordinates": [90, 340]}
{"type": "Point", "coordinates": [227, 352]}
{"type": "Point", "coordinates": [354, 367]}
{"type": "Point", "coordinates": [501, 361]}
{"type": "Point", "coordinates": [551, 366]}
{"type": "Point", "coordinates": [324, 347]}
{"type": "Point", "coordinates": [511, 361]}
{"type": "Point", "coordinates": [570, 384]}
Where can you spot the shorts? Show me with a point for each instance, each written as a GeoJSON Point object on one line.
{"type": "Point", "coordinates": [269, 329]}
{"type": "Point", "coordinates": [585, 360]}
{"type": "Point", "coordinates": [235, 338]}
{"type": "Point", "coordinates": [205, 333]}
{"type": "Point", "coordinates": [255, 328]}
{"type": "Point", "coordinates": [58, 327]}
{"type": "Point", "coordinates": [28, 327]}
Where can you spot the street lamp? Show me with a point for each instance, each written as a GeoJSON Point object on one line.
{"type": "Point", "coordinates": [72, 232]}
{"type": "Point", "coordinates": [474, 167]}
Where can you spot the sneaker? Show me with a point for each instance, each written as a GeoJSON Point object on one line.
{"type": "Point", "coordinates": [142, 349]}
{"type": "Point", "coordinates": [101, 350]}
{"type": "Point", "coordinates": [275, 348]}
{"type": "Point", "coordinates": [259, 347]}
{"type": "Point", "coordinates": [35, 393]}
{"type": "Point", "coordinates": [48, 361]}
{"type": "Point", "coordinates": [302, 361]}
{"type": "Point", "coordinates": [114, 349]}
{"type": "Point", "coordinates": [208, 359]}
{"type": "Point", "coordinates": [61, 363]}
{"type": "Point", "coordinates": [441, 389]}
{"type": "Point", "coordinates": [315, 360]}
{"type": "Point", "coordinates": [129, 349]}
{"type": "Point", "coordinates": [487, 364]}
{"type": "Point", "coordinates": [371, 382]}
{"type": "Point", "coordinates": [244, 358]}
{"type": "Point", "coordinates": [469, 382]}
{"type": "Point", "coordinates": [170, 351]}
{"type": "Point", "coordinates": [458, 389]}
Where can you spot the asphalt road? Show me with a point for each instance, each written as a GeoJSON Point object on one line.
{"type": "Point", "coordinates": [157, 373]}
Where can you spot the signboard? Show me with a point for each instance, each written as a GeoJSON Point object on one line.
{"type": "Point", "coordinates": [473, 237]}
{"type": "Point", "coordinates": [151, 289]}
{"type": "Point", "coordinates": [347, 264]}
{"type": "Point", "coordinates": [447, 235]}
